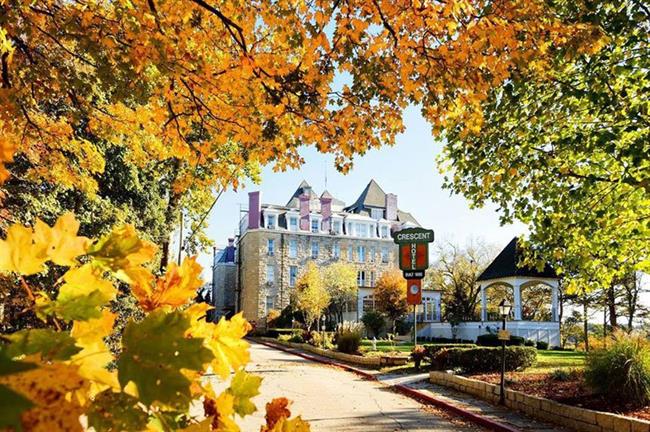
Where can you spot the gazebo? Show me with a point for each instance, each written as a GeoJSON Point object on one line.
{"type": "Point", "coordinates": [505, 271]}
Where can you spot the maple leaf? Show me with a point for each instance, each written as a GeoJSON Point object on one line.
{"type": "Point", "coordinates": [122, 252]}
{"type": "Point", "coordinates": [176, 288]}
{"type": "Point", "coordinates": [83, 292]}
{"type": "Point", "coordinates": [50, 344]}
{"type": "Point", "coordinates": [111, 411]}
{"type": "Point", "coordinates": [19, 253]}
{"type": "Point", "coordinates": [154, 352]}
{"type": "Point", "coordinates": [95, 355]}
{"type": "Point", "coordinates": [277, 409]}
{"type": "Point", "coordinates": [61, 243]}
{"type": "Point", "coordinates": [225, 340]}
{"type": "Point", "coordinates": [53, 388]}
{"type": "Point", "coordinates": [221, 410]}
{"type": "Point", "coordinates": [243, 387]}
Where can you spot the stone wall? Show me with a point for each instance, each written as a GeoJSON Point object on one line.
{"type": "Point", "coordinates": [224, 282]}
{"type": "Point", "coordinates": [579, 419]}
{"type": "Point", "coordinates": [255, 258]}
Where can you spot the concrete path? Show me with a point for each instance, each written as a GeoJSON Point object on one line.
{"type": "Point", "coordinates": [335, 400]}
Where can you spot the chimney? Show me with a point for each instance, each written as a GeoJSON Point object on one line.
{"type": "Point", "coordinates": [326, 211]}
{"type": "Point", "coordinates": [391, 207]}
{"type": "Point", "coordinates": [304, 210]}
{"type": "Point", "coordinates": [254, 210]}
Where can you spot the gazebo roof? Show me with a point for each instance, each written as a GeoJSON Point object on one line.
{"type": "Point", "coordinates": [505, 265]}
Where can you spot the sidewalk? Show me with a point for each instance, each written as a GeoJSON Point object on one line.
{"type": "Point", "coordinates": [417, 386]}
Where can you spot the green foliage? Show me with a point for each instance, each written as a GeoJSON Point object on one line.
{"type": "Point", "coordinates": [565, 375]}
{"type": "Point", "coordinates": [155, 350]}
{"type": "Point", "coordinates": [111, 411]}
{"type": "Point", "coordinates": [418, 354]}
{"type": "Point", "coordinates": [622, 369]}
{"type": "Point", "coordinates": [541, 345]}
{"type": "Point", "coordinates": [432, 349]}
{"type": "Point", "coordinates": [491, 339]}
{"type": "Point", "coordinates": [566, 151]}
{"type": "Point", "coordinates": [484, 359]}
{"type": "Point", "coordinates": [52, 345]}
{"type": "Point", "coordinates": [243, 387]}
{"type": "Point", "coordinates": [311, 296]}
{"type": "Point", "coordinates": [340, 280]}
{"type": "Point", "coordinates": [529, 342]}
{"type": "Point", "coordinates": [348, 337]}
{"type": "Point", "coordinates": [12, 405]}
{"type": "Point", "coordinates": [373, 321]}
{"type": "Point", "coordinates": [296, 336]}
{"type": "Point", "coordinates": [321, 339]}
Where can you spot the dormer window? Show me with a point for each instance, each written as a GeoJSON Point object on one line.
{"type": "Point", "coordinates": [270, 222]}
{"type": "Point", "coordinates": [384, 231]}
{"type": "Point", "coordinates": [377, 214]}
{"type": "Point", "coordinates": [336, 227]}
{"type": "Point", "coordinates": [315, 225]}
{"type": "Point", "coordinates": [293, 223]}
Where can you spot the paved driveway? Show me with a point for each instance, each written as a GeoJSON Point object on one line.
{"type": "Point", "coordinates": [335, 400]}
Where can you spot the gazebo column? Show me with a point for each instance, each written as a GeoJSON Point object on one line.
{"type": "Point", "coordinates": [483, 304]}
{"type": "Point", "coordinates": [516, 288]}
{"type": "Point", "coordinates": [555, 313]}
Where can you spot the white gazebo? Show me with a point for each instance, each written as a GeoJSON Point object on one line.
{"type": "Point", "coordinates": [505, 271]}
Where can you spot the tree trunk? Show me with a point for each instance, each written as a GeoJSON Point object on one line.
{"type": "Point", "coordinates": [611, 305]}
{"type": "Point", "coordinates": [170, 216]}
{"type": "Point", "coordinates": [585, 322]}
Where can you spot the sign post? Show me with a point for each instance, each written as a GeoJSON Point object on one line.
{"type": "Point", "coordinates": [413, 261]}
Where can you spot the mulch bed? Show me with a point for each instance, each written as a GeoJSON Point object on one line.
{"type": "Point", "coordinates": [572, 391]}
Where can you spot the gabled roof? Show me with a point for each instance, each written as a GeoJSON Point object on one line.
{"type": "Point", "coordinates": [335, 201]}
{"type": "Point", "coordinates": [403, 217]}
{"type": "Point", "coordinates": [294, 201]}
{"type": "Point", "coordinates": [505, 265]}
{"type": "Point", "coordinates": [372, 196]}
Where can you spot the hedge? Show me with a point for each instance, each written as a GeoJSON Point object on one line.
{"type": "Point", "coordinates": [491, 339]}
{"type": "Point", "coordinates": [442, 340]}
{"type": "Point", "coordinates": [484, 359]}
{"type": "Point", "coordinates": [432, 349]}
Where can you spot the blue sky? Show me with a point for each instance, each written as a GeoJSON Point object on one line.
{"type": "Point", "coordinates": [407, 169]}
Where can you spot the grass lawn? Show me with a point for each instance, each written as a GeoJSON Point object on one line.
{"type": "Point", "coordinates": [386, 346]}
{"type": "Point", "coordinates": [548, 360]}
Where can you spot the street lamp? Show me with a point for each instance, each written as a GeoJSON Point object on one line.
{"type": "Point", "coordinates": [504, 311]}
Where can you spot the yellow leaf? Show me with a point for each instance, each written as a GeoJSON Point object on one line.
{"type": "Point", "coordinates": [122, 249]}
{"type": "Point", "coordinates": [224, 339]}
{"type": "Point", "coordinates": [175, 289]}
{"type": "Point", "coordinates": [222, 411]}
{"type": "Point", "coordinates": [61, 243]}
{"type": "Point", "coordinates": [84, 280]}
{"type": "Point", "coordinates": [19, 254]}
{"type": "Point", "coordinates": [57, 391]}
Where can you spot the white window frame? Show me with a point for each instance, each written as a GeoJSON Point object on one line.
{"type": "Point", "coordinates": [336, 250]}
{"type": "Point", "coordinates": [361, 278]}
{"type": "Point", "coordinates": [293, 275]}
{"type": "Point", "coordinates": [293, 223]}
{"type": "Point", "coordinates": [270, 273]}
{"type": "Point", "coordinates": [274, 219]}
{"type": "Point", "coordinates": [361, 253]}
{"type": "Point", "coordinates": [385, 255]}
{"type": "Point", "coordinates": [350, 253]}
{"type": "Point", "coordinates": [270, 246]}
{"type": "Point", "coordinates": [293, 248]}
{"type": "Point", "coordinates": [316, 245]}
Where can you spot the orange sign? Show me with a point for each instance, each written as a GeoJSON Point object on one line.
{"type": "Point", "coordinates": [414, 256]}
{"type": "Point", "coordinates": [414, 291]}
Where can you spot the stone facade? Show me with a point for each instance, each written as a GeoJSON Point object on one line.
{"type": "Point", "coordinates": [224, 280]}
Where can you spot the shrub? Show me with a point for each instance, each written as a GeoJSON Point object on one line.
{"type": "Point", "coordinates": [529, 342]}
{"type": "Point", "coordinates": [272, 317]}
{"type": "Point", "coordinates": [374, 321]}
{"type": "Point", "coordinates": [442, 340]}
{"type": "Point", "coordinates": [297, 336]}
{"type": "Point", "coordinates": [418, 354]}
{"type": "Point", "coordinates": [433, 349]}
{"type": "Point", "coordinates": [321, 339]}
{"type": "Point", "coordinates": [564, 374]}
{"type": "Point", "coordinates": [491, 339]}
{"type": "Point", "coordinates": [348, 337]}
{"type": "Point", "coordinates": [284, 337]}
{"type": "Point", "coordinates": [484, 359]}
{"type": "Point", "coordinates": [276, 332]}
{"type": "Point", "coordinates": [622, 370]}
{"type": "Point", "coordinates": [541, 345]}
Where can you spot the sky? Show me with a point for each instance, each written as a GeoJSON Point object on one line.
{"type": "Point", "coordinates": [407, 169]}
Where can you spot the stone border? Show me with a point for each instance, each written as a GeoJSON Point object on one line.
{"type": "Point", "coordinates": [579, 419]}
{"type": "Point", "coordinates": [374, 362]}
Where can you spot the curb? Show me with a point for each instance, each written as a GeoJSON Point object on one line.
{"type": "Point", "coordinates": [403, 389]}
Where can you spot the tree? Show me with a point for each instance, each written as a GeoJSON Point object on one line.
{"type": "Point", "coordinates": [454, 272]}
{"type": "Point", "coordinates": [390, 295]}
{"type": "Point", "coordinates": [340, 281]}
{"type": "Point", "coordinates": [565, 151]}
{"type": "Point", "coordinates": [310, 295]}
{"type": "Point", "coordinates": [373, 321]}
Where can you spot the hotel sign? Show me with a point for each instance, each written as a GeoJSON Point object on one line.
{"type": "Point", "coordinates": [413, 259]}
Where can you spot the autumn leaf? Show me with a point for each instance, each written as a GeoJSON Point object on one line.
{"type": "Point", "coordinates": [244, 387]}
{"type": "Point", "coordinates": [53, 388]}
{"type": "Point", "coordinates": [61, 243]}
{"type": "Point", "coordinates": [19, 253]}
{"type": "Point", "coordinates": [50, 344]}
{"type": "Point", "coordinates": [12, 405]}
{"type": "Point", "coordinates": [175, 288]}
{"type": "Point", "coordinates": [111, 411]}
{"type": "Point", "coordinates": [154, 352]}
{"type": "Point", "coordinates": [276, 410]}
{"type": "Point", "coordinates": [221, 410]}
{"type": "Point", "coordinates": [225, 339]}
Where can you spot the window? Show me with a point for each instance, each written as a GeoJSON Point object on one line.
{"type": "Point", "coordinates": [270, 221]}
{"type": "Point", "coordinates": [361, 254]}
{"type": "Point", "coordinates": [293, 223]}
{"type": "Point", "coordinates": [350, 253]}
{"type": "Point", "coordinates": [372, 254]}
{"type": "Point", "coordinates": [384, 231]}
{"type": "Point", "coordinates": [293, 275]}
{"type": "Point", "coordinates": [270, 274]}
{"type": "Point", "coordinates": [377, 214]}
{"type": "Point", "coordinates": [372, 279]}
{"type": "Point", "coordinates": [293, 248]}
{"type": "Point", "coordinates": [361, 278]}
{"type": "Point", "coordinates": [314, 249]}
{"type": "Point", "coordinates": [384, 254]}
{"type": "Point", "coordinates": [368, 303]}
{"type": "Point", "coordinates": [270, 245]}
{"type": "Point", "coordinates": [315, 225]}
{"type": "Point", "coordinates": [336, 227]}
{"type": "Point", "coordinates": [362, 230]}
{"type": "Point", "coordinates": [270, 303]}
{"type": "Point", "coordinates": [336, 250]}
